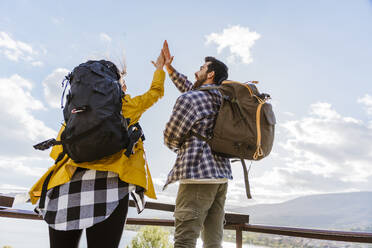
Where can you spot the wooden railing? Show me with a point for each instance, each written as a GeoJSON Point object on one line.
{"type": "Point", "coordinates": [234, 221]}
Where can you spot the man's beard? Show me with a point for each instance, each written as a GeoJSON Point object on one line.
{"type": "Point", "coordinates": [199, 82]}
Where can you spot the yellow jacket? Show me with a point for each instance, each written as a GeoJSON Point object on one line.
{"type": "Point", "coordinates": [133, 170]}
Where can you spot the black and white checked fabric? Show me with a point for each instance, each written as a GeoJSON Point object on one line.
{"type": "Point", "coordinates": [194, 110]}
{"type": "Point", "coordinates": [89, 198]}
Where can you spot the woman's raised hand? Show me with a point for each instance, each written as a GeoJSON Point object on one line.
{"type": "Point", "coordinates": [159, 64]}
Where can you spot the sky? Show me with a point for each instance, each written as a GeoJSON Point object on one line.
{"type": "Point", "coordinates": [312, 57]}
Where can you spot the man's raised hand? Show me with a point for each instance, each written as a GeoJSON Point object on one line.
{"type": "Point", "coordinates": [168, 58]}
{"type": "Point", "coordinates": [167, 55]}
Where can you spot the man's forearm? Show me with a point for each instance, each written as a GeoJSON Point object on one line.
{"type": "Point", "coordinates": [180, 81]}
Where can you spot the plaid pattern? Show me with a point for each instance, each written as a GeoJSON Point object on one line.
{"type": "Point", "coordinates": [196, 111]}
{"type": "Point", "coordinates": [89, 198]}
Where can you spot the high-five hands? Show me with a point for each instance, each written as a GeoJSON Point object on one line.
{"type": "Point", "coordinates": [165, 58]}
{"type": "Point", "coordinates": [159, 64]}
{"type": "Point", "coordinates": [167, 55]}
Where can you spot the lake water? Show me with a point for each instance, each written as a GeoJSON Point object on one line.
{"type": "Point", "coordinates": [20, 233]}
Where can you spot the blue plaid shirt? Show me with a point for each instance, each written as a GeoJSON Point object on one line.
{"type": "Point", "coordinates": [194, 110]}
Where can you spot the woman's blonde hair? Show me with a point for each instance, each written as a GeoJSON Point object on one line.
{"type": "Point", "coordinates": [122, 67]}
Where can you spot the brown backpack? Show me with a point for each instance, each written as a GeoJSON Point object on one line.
{"type": "Point", "coordinates": [245, 124]}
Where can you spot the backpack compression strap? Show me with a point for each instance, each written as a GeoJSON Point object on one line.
{"type": "Point", "coordinates": [246, 180]}
{"type": "Point", "coordinates": [53, 142]}
{"type": "Point", "coordinates": [259, 151]}
{"type": "Point", "coordinates": [135, 133]}
{"type": "Point", "coordinates": [47, 144]}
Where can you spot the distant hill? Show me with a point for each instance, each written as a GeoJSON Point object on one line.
{"type": "Point", "coordinates": [341, 211]}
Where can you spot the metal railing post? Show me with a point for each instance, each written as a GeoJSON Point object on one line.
{"type": "Point", "coordinates": [239, 237]}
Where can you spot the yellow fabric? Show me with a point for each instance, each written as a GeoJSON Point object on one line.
{"type": "Point", "coordinates": [133, 170]}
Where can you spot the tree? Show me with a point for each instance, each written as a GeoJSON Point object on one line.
{"type": "Point", "coordinates": [151, 237]}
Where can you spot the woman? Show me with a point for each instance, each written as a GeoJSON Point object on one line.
{"type": "Point", "coordinates": [95, 195]}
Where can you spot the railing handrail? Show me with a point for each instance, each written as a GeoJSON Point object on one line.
{"type": "Point", "coordinates": [233, 224]}
{"type": "Point", "coordinates": [233, 218]}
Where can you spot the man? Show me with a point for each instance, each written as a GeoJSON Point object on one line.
{"type": "Point", "coordinates": [203, 175]}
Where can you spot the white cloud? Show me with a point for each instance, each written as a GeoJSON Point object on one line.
{"type": "Point", "coordinates": [14, 49]}
{"type": "Point", "coordinates": [37, 63]}
{"type": "Point", "coordinates": [52, 87]}
{"type": "Point", "coordinates": [238, 39]}
{"type": "Point", "coordinates": [17, 50]}
{"type": "Point", "coordinates": [326, 150]}
{"type": "Point", "coordinates": [22, 166]}
{"type": "Point", "coordinates": [105, 37]}
{"type": "Point", "coordinates": [367, 101]}
{"type": "Point", "coordinates": [18, 174]}
{"type": "Point", "coordinates": [11, 188]}
{"type": "Point", "coordinates": [19, 128]}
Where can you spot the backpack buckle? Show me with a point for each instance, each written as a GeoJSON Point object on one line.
{"type": "Point", "coordinates": [79, 110]}
{"type": "Point", "coordinates": [46, 144]}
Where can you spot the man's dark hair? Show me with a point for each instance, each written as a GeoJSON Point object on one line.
{"type": "Point", "coordinates": [219, 68]}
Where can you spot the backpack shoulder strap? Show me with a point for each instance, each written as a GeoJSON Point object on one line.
{"type": "Point", "coordinates": [46, 182]}
{"type": "Point", "coordinates": [197, 135]}
{"type": "Point", "coordinates": [208, 88]}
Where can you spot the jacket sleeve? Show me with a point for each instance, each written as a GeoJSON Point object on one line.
{"type": "Point", "coordinates": [136, 106]}
{"type": "Point", "coordinates": [182, 119]}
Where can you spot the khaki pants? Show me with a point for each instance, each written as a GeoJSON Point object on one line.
{"type": "Point", "coordinates": [199, 207]}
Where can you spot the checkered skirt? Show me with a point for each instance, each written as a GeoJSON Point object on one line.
{"type": "Point", "coordinates": [89, 198]}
